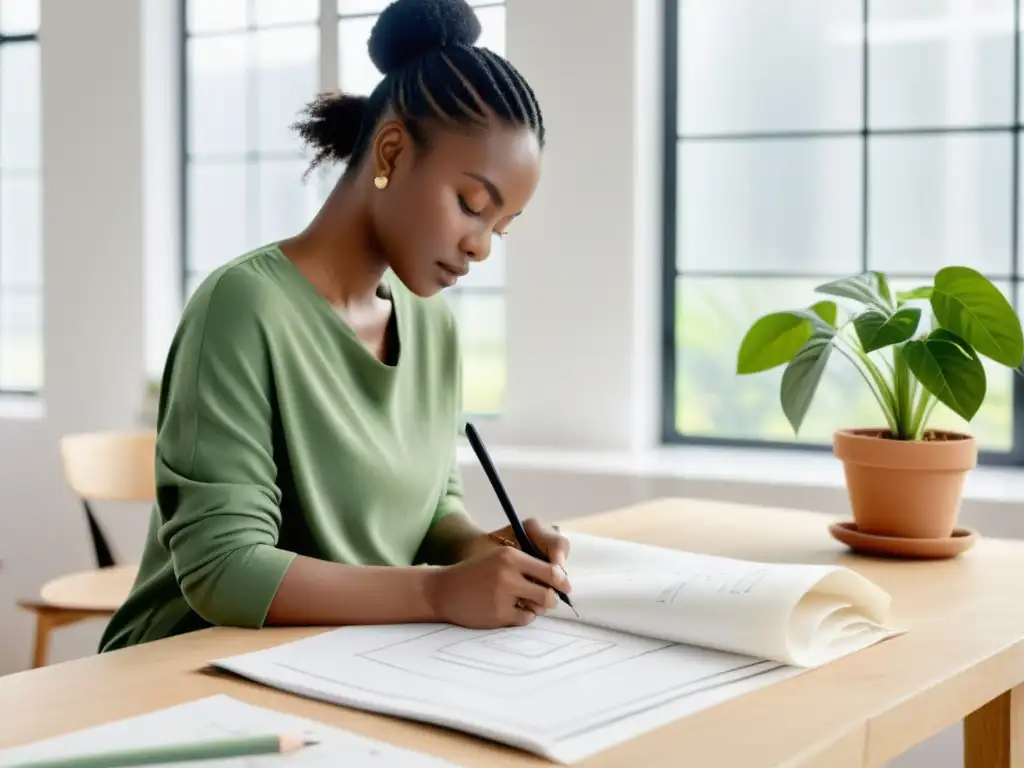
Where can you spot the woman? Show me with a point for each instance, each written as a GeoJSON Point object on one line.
{"type": "Point", "coordinates": [310, 402]}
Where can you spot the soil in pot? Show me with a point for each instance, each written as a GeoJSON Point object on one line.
{"type": "Point", "coordinates": [902, 488]}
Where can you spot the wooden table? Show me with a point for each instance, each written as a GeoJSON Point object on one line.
{"type": "Point", "coordinates": [961, 659]}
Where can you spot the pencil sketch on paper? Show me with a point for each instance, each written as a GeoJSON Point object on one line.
{"type": "Point", "coordinates": [721, 582]}
{"type": "Point", "coordinates": [523, 652]}
{"type": "Point", "coordinates": [658, 634]}
{"type": "Point", "coordinates": [513, 659]}
{"type": "Point", "coordinates": [502, 680]}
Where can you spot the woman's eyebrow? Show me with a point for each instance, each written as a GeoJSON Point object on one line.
{"type": "Point", "coordinates": [489, 185]}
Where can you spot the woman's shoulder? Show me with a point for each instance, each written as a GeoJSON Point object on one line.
{"type": "Point", "coordinates": [237, 301]}
{"type": "Point", "coordinates": [243, 283]}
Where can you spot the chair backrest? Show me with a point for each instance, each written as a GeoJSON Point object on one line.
{"type": "Point", "coordinates": [111, 466]}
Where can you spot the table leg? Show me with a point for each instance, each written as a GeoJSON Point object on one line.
{"type": "Point", "coordinates": [994, 734]}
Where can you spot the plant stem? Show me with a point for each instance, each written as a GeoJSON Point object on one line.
{"type": "Point", "coordinates": [879, 388]}
{"type": "Point", "coordinates": [877, 374]}
{"type": "Point", "coordinates": [892, 371]}
{"type": "Point", "coordinates": [915, 393]}
{"type": "Point", "coordinates": [884, 389]}
{"type": "Point", "coordinates": [904, 398]}
{"type": "Point", "coordinates": [923, 410]}
{"type": "Point", "coordinates": [932, 402]}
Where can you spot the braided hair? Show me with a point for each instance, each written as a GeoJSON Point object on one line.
{"type": "Point", "coordinates": [434, 75]}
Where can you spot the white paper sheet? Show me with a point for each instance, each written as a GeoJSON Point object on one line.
{"type": "Point", "coordinates": [799, 614]}
{"type": "Point", "coordinates": [559, 689]}
{"type": "Point", "coordinates": [659, 634]}
{"type": "Point", "coordinates": [222, 717]}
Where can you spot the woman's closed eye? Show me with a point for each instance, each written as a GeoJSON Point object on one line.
{"type": "Point", "coordinates": [466, 208]}
{"type": "Point", "coordinates": [469, 211]}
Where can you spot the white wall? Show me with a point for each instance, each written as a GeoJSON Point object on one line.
{"type": "Point", "coordinates": [582, 291]}
{"type": "Point", "coordinates": [581, 294]}
{"type": "Point", "coordinates": [93, 299]}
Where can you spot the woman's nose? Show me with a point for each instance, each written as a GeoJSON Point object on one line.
{"type": "Point", "coordinates": [477, 248]}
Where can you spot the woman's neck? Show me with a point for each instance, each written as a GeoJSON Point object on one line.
{"type": "Point", "coordinates": [337, 253]}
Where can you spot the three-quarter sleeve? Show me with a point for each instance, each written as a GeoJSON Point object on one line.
{"type": "Point", "coordinates": [215, 468]}
{"type": "Point", "coordinates": [451, 498]}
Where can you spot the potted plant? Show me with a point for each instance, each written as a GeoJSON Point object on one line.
{"type": "Point", "coordinates": [904, 478]}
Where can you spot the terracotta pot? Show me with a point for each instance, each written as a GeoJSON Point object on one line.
{"type": "Point", "coordinates": [909, 489]}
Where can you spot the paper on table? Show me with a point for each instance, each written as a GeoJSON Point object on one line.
{"type": "Point", "coordinates": [222, 717]}
{"type": "Point", "coordinates": [558, 689]}
{"type": "Point", "coordinates": [800, 614]}
{"type": "Point", "coordinates": [567, 687]}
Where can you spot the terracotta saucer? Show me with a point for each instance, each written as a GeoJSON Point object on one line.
{"type": "Point", "coordinates": [893, 546]}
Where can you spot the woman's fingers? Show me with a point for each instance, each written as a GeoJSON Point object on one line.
{"type": "Point", "coordinates": [522, 617]}
{"type": "Point", "coordinates": [543, 598]}
{"type": "Point", "coordinates": [549, 539]}
{"type": "Point", "coordinates": [536, 610]}
{"type": "Point", "coordinates": [537, 570]}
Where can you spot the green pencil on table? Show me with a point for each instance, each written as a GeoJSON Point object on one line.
{"type": "Point", "coordinates": [179, 753]}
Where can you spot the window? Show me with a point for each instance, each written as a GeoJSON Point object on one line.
{"type": "Point", "coordinates": [808, 141]}
{"type": "Point", "coordinates": [250, 67]}
{"type": "Point", "coordinates": [21, 257]}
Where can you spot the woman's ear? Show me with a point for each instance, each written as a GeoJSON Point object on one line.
{"type": "Point", "coordinates": [391, 141]}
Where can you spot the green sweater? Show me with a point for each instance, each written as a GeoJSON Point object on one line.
{"type": "Point", "coordinates": [280, 433]}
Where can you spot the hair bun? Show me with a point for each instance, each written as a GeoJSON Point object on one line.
{"type": "Point", "coordinates": [409, 29]}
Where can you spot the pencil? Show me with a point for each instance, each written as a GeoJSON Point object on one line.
{"type": "Point", "coordinates": [180, 753]}
{"type": "Point", "coordinates": [506, 503]}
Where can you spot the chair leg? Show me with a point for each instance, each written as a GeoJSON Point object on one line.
{"type": "Point", "coordinates": [44, 624]}
{"type": "Point", "coordinates": [48, 619]}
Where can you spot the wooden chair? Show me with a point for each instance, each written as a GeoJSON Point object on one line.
{"type": "Point", "coordinates": [99, 466]}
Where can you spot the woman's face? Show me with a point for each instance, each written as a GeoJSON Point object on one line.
{"type": "Point", "coordinates": [441, 209]}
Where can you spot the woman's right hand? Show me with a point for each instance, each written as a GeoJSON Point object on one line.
{"type": "Point", "coordinates": [501, 587]}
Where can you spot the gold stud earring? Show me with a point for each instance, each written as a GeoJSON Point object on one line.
{"type": "Point", "coordinates": [380, 182]}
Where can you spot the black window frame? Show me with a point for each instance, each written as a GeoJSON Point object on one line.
{"type": "Point", "coordinates": [671, 274]}
{"type": "Point", "coordinates": [186, 272]}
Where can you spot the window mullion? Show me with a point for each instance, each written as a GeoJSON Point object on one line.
{"type": "Point", "coordinates": [328, 45]}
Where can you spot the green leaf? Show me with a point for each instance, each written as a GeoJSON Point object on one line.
{"type": "Point", "coordinates": [774, 338]}
{"type": "Point", "coordinates": [950, 369]}
{"type": "Point", "coordinates": [883, 287]}
{"type": "Point", "coordinates": [827, 311]}
{"type": "Point", "coordinates": [921, 292]}
{"type": "Point", "coordinates": [876, 330]}
{"type": "Point", "coordinates": [865, 289]}
{"type": "Point", "coordinates": [803, 374]}
{"type": "Point", "coordinates": [968, 304]}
